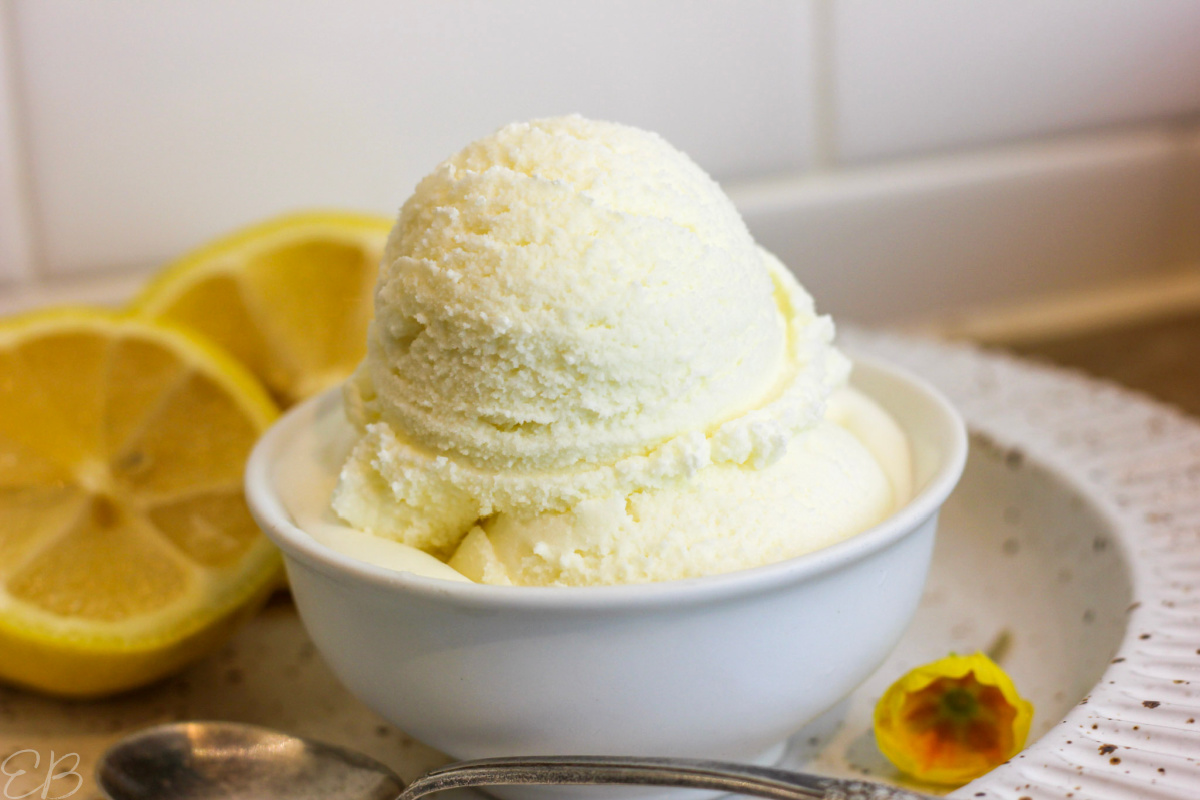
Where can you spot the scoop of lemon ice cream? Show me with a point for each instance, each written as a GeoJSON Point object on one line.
{"type": "Point", "coordinates": [729, 516]}
{"type": "Point", "coordinates": [572, 320]}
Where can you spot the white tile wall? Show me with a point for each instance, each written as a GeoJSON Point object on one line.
{"type": "Point", "coordinates": [157, 125]}
{"type": "Point", "coordinates": [16, 225]}
{"type": "Point", "coordinates": [887, 244]}
{"type": "Point", "coordinates": [102, 290]}
{"type": "Point", "coordinates": [923, 75]}
{"type": "Point", "coordinates": [903, 155]}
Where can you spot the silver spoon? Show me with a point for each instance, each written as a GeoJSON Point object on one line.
{"type": "Point", "coordinates": [231, 761]}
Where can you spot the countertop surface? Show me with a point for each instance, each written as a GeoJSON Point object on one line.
{"type": "Point", "coordinates": [1158, 356]}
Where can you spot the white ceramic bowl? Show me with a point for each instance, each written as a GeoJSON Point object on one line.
{"type": "Point", "coordinates": [727, 666]}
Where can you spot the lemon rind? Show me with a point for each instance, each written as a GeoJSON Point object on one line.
{"type": "Point", "coordinates": [218, 256]}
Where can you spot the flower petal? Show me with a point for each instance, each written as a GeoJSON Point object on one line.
{"type": "Point", "coordinates": [952, 720]}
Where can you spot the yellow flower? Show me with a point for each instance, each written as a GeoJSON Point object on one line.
{"type": "Point", "coordinates": [953, 720]}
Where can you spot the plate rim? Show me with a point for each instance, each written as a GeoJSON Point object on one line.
{"type": "Point", "coordinates": [1137, 460]}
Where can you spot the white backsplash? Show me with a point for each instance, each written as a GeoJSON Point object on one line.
{"type": "Point", "coordinates": [16, 258]}
{"type": "Point", "coordinates": [154, 126]}
{"type": "Point", "coordinates": [904, 156]}
{"type": "Point", "coordinates": [901, 240]}
{"type": "Point", "coordinates": [916, 76]}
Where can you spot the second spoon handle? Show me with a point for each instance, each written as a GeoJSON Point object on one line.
{"type": "Point", "coordinates": [779, 784]}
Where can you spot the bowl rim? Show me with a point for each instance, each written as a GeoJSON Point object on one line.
{"type": "Point", "coordinates": [273, 519]}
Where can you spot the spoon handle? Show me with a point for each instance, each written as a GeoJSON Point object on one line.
{"type": "Point", "coordinates": [768, 782]}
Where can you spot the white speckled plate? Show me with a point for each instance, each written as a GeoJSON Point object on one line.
{"type": "Point", "coordinates": [1075, 536]}
{"type": "Point", "coordinates": [1076, 531]}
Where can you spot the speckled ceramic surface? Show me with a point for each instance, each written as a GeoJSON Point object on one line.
{"type": "Point", "coordinates": [1087, 498]}
{"type": "Point", "coordinates": [1073, 541]}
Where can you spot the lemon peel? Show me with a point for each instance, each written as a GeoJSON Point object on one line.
{"type": "Point", "coordinates": [952, 720]}
{"type": "Point", "coordinates": [290, 297]}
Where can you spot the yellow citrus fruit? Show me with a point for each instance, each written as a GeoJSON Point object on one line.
{"type": "Point", "coordinates": [290, 298]}
{"type": "Point", "coordinates": [126, 548]}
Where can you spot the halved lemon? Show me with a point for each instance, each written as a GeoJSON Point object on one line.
{"type": "Point", "coordinates": [126, 548]}
{"type": "Point", "coordinates": [290, 298]}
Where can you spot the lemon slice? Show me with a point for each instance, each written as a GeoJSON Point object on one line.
{"type": "Point", "coordinates": [126, 548]}
{"type": "Point", "coordinates": [290, 298]}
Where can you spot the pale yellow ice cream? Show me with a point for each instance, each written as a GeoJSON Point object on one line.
{"type": "Point", "coordinates": [583, 370]}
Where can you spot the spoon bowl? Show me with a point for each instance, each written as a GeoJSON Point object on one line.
{"type": "Point", "coordinates": [232, 761]}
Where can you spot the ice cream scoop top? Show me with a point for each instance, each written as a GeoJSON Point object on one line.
{"type": "Point", "coordinates": [568, 308]}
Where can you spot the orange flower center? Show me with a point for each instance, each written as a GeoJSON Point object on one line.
{"type": "Point", "coordinates": [957, 720]}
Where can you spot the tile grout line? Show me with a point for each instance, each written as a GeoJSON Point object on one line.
{"type": "Point", "coordinates": [1119, 302]}
{"type": "Point", "coordinates": [28, 251]}
{"type": "Point", "coordinates": [1179, 203]}
{"type": "Point", "coordinates": [824, 136]}
{"type": "Point", "coordinates": [985, 165]}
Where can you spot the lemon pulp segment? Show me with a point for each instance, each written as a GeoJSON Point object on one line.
{"type": "Point", "coordinates": [126, 547]}
{"type": "Point", "coordinates": [290, 298]}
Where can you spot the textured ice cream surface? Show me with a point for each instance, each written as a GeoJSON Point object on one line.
{"type": "Point", "coordinates": [309, 468]}
{"type": "Point", "coordinates": [825, 488]}
{"type": "Point", "coordinates": [576, 338]}
{"type": "Point", "coordinates": [568, 292]}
